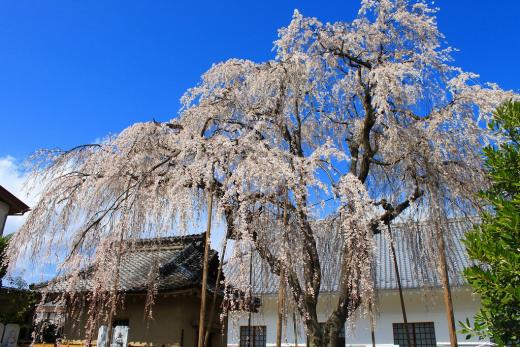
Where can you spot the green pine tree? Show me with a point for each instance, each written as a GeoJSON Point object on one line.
{"type": "Point", "coordinates": [495, 244]}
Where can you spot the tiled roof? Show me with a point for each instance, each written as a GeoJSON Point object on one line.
{"type": "Point", "coordinates": [417, 268]}
{"type": "Point", "coordinates": [177, 261]}
{"type": "Point", "coordinates": [410, 243]}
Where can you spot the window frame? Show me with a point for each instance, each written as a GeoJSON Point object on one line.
{"type": "Point", "coordinates": [259, 336]}
{"type": "Point", "coordinates": [422, 334]}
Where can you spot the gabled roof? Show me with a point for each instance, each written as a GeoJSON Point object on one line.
{"type": "Point", "coordinates": [16, 206]}
{"type": "Point", "coordinates": [410, 241]}
{"type": "Point", "coordinates": [177, 261]}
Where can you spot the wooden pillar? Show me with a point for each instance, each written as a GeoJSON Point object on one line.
{"type": "Point", "coordinates": [448, 303]}
{"type": "Point", "coordinates": [398, 278]}
{"type": "Point", "coordinates": [372, 332]}
{"type": "Point", "coordinates": [438, 215]}
{"type": "Point", "coordinates": [251, 301]}
{"type": "Point", "coordinates": [202, 316]}
{"type": "Point", "coordinates": [281, 283]}
{"type": "Point", "coordinates": [295, 326]}
{"type": "Point", "coordinates": [281, 304]}
{"type": "Point", "coordinates": [215, 294]}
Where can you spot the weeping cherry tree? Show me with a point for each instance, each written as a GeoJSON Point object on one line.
{"type": "Point", "coordinates": [351, 121]}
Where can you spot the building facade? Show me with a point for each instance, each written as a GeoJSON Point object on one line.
{"type": "Point", "coordinates": [423, 297]}
{"type": "Point", "coordinates": [10, 205]}
{"type": "Point", "coordinates": [175, 311]}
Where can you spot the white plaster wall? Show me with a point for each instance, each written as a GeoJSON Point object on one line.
{"type": "Point", "coordinates": [267, 316]}
{"type": "Point", "coordinates": [421, 307]}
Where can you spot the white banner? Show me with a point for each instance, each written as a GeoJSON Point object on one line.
{"type": "Point", "coordinates": [10, 338]}
{"type": "Point", "coordinates": [120, 336]}
{"type": "Point", "coordinates": [102, 336]}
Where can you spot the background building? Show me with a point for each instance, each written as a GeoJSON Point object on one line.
{"type": "Point", "coordinates": [178, 262]}
{"type": "Point", "coordinates": [10, 205]}
{"type": "Point", "coordinates": [422, 290]}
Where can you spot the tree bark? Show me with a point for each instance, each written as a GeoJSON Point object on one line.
{"type": "Point", "coordinates": [314, 340]}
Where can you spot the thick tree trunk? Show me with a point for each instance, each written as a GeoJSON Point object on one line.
{"type": "Point", "coordinates": [328, 334]}
{"type": "Point", "coordinates": [314, 340]}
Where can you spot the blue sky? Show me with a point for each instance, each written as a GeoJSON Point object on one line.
{"type": "Point", "coordinates": [73, 71]}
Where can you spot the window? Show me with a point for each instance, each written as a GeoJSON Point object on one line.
{"type": "Point", "coordinates": [254, 338]}
{"type": "Point", "coordinates": [421, 334]}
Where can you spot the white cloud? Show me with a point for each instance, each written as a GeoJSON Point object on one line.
{"type": "Point", "coordinates": [13, 178]}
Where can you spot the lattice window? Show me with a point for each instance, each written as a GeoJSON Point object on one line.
{"type": "Point", "coordinates": [421, 334]}
{"type": "Point", "coordinates": [254, 338]}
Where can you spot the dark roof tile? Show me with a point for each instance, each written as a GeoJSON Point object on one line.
{"type": "Point", "coordinates": [417, 270]}
{"type": "Point", "coordinates": [176, 261]}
